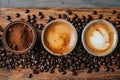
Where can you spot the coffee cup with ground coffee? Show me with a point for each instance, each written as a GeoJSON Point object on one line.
{"type": "Point", "coordinates": [19, 37]}
{"type": "Point", "coordinates": [99, 37]}
{"type": "Point", "coordinates": [59, 37]}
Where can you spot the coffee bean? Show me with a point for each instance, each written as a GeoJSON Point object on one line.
{"type": "Point", "coordinates": [8, 17]}
{"type": "Point", "coordinates": [74, 72]}
{"type": "Point", "coordinates": [40, 26]}
{"type": "Point", "coordinates": [89, 70]}
{"type": "Point", "coordinates": [17, 15]}
{"type": "Point", "coordinates": [114, 12]}
{"type": "Point", "coordinates": [75, 16]}
{"type": "Point", "coordinates": [29, 75]}
{"type": "Point", "coordinates": [64, 16]}
{"type": "Point", "coordinates": [111, 70]}
{"type": "Point", "coordinates": [106, 69]}
{"type": "Point", "coordinates": [40, 13]}
{"type": "Point", "coordinates": [63, 73]}
{"type": "Point", "coordinates": [100, 16]}
{"type": "Point", "coordinates": [33, 16]}
{"type": "Point", "coordinates": [35, 71]}
{"type": "Point", "coordinates": [94, 12]}
{"type": "Point", "coordinates": [59, 16]}
{"type": "Point", "coordinates": [51, 70]}
{"type": "Point", "coordinates": [42, 16]}
{"type": "Point", "coordinates": [69, 12]}
{"type": "Point", "coordinates": [1, 29]}
{"type": "Point", "coordinates": [117, 22]}
{"type": "Point", "coordinates": [96, 69]}
{"type": "Point", "coordinates": [118, 16]}
{"type": "Point", "coordinates": [27, 11]}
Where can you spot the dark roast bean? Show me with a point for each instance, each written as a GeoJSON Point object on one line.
{"type": "Point", "coordinates": [111, 70]}
{"type": "Point", "coordinates": [29, 75]}
{"type": "Point", "coordinates": [42, 16]}
{"type": "Point", "coordinates": [51, 70]}
{"type": "Point", "coordinates": [27, 11]}
{"type": "Point", "coordinates": [106, 69]}
{"type": "Point", "coordinates": [117, 22]}
{"type": "Point", "coordinates": [74, 72]}
{"type": "Point", "coordinates": [40, 26]}
{"type": "Point", "coordinates": [40, 13]}
{"type": "Point", "coordinates": [63, 73]}
{"type": "Point", "coordinates": [89, 70]}
{"type": "Point", "coordinates": [8, 17]}
{"type": "Point", "coordinates": [33, 16]}
{"type": "Point", "coordinates": [100, 16]}
{"type": "Point", "coordinates": [96, 69]}
{"type": "Point", "coordinates": [75, 16]}
{"type": "Point", "coordinates": [1, 29]}
{"type": "Point", "coordinates": [59, 16]}
{"type": "Point", "coordinates": [118, 16]}
{"type": "Point", "coordinates": [114, 12]}
{"type": "Point", "coordinates": [69, 12]}
{"type": "Point", "coordinates": [35, 71]}
{"type": "Point", "coordinates": [17, 15]}
{"type": "Point", "coordinates": [94, 12]}
{"type": "Point", "coordinates": [64, 16]}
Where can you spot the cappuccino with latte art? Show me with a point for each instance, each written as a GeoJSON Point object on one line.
{"type": "Point", "coordinates": [99, 37]}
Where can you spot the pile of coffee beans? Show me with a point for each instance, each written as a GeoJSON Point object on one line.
{"type": "Point", "coordinates": [39, 60]}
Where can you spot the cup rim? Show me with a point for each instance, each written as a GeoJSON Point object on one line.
{"type": "Point", "coordinates": [114, 44]}
{"type": "Point", "coordinates": [4, 37]}
{"type": "Point", "coordinates": [75, 34]}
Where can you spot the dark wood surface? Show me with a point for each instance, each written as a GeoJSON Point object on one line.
{"type": "Point", "coordinates": [21, 74]}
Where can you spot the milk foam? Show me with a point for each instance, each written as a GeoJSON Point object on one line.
{"type": "Point", "coordinates": [100, 39]}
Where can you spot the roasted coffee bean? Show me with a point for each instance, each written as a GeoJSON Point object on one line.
{"type": "Point", "coordinates": [114, 12]}
{"type": "Point", "coordinates": [96, 69]}
{"type": "Point", "coordinates": [42, 16]}
{"type": "Point", "coordinates": [74, 72]}
{"type": "Point", "coordinates": [28, 16]}
{"type": "Point", "coordinates": [100, 16]}
{"type": "Point", "coordinates": [63, 73]}
{"type": "Point", "coordinates": [1, 29]}
{"type": "Point", "coordinates": [40, 26]}
{"type": "Point", "coordinates": [17, 15]}
{"type": "Point", "coordinates": [111, 70]}
{"type": "Point", "coordinates": [50, 18]}
{"type": "Point", "coordinates": [106, 69]}
{"type": "Point", "coordinates": [69, 12]}
{"type": "Point", "coordinates": [64, 16]}
{"type": "Point", "coordinates": [30, 75]}
{"type": "Point", "coordinates": [117, 22]}
{"type": "Point", "coordinates": [60, 69]}
{"type": "Point", "coordinates": [28, 20]}
{"type": "Point", "coordinates": [27, 11]}
{"type": "Point", "coordinates": [75, 16]}
{"type": "Point", "coordinates": [33, 16]}
{"type": "Point", "coordinates": [59, 16]}
{"type": "Point", "coordinates": [118, 16]}
{"type": "Point", "coordinates": [51, 70]}
{"type": "Point", "coordinates": [35, 71]}
{"type": "Point", "coordinates": [89, 70]}
{"type": "Point", "coordinates": [94, 12]}
{"type": "Point", "coordinates": [8, 17]}
{"type": "Point", "coordinates": [40, 13]}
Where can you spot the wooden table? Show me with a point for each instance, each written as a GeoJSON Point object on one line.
{"type": "Point", "coordinates": [21, 74]}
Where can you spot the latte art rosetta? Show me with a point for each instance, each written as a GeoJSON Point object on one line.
{"type": "Point", "coordinates": [99, 37]}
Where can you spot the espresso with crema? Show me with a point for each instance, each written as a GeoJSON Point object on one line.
{"type": "Point", "coordinates": [99, 37]}
{"type": "Point", "coordinates": [58, 37]}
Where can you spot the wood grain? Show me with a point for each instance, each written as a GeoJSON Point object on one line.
{"type": "Point", "coordinates": [21, 74]}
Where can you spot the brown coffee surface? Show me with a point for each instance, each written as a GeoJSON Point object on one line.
{"type": "Point", "coordinates": [103, 30]}
{"type": "Point", "coordinates": [19, 37]}
{"type": "Point", "coordinates": [57, 37]}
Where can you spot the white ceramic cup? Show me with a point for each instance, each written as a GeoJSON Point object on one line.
{"type": "Point", "coordinates": [114, 42]}
{"type": "Point", "coordinates": [73, 40]}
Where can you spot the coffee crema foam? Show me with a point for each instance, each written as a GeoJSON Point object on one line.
{"type": "Point", "coordinates": [58, 37]}
{"type": "Point", "coordinates": [99, 37]}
